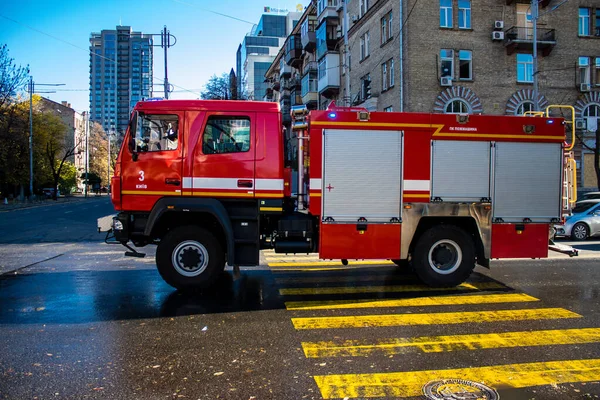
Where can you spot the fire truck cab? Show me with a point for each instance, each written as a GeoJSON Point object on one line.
{"type": "Point", "coordinates": [214, 182]}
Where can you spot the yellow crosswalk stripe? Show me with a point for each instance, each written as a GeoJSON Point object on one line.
{"type": "Point", "coordinates": [410, 384]}
{"type": "Point", "coordinates": [386, 289]}
{"type": "Point", "coordinates": [439, 344]}
{"type": "Point", "coordinates": [412, 302]}
{"type": "Point", "coordinates": [328, 263]}
{"type": "Point", "coordinates": [363, 321]}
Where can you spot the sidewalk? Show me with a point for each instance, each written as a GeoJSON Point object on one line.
{"type": "Point", "coordinates": [17, 205]}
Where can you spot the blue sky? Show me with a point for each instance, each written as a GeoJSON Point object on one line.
{"type": "Point", "coordinates": [52, 37]}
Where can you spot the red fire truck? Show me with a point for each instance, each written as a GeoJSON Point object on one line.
{"type": "Point", "coordinates": [214, 182]}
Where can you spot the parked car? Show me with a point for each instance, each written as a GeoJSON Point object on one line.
{"type": "Point", "coordinates": [590, 196]}
{"type": "Point", "coordinates": [49, 192]}
{"type": "Point", "coordinates": [584, 223]}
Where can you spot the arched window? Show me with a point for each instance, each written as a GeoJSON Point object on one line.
{"type": "Point", "coordinates": [592, 110]}
{"type": "Point", "coordinates": [457, 106]}
{"type": "Point", "coordinates": [524, 107]}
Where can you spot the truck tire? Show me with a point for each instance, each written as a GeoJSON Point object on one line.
{"type": "Point", "coordinates": [189, 257]}
{"type": "Point", "coordinates": [444, 256]}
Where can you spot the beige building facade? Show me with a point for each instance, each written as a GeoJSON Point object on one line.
{"type": "Point", "coordinates": [457, 56]}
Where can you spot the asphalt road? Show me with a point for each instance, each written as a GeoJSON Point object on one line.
{"type": "Point", "coordinates": [90, 323]}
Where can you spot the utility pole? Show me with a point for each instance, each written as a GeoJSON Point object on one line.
{"type": "Point", "coordinates": [165, 43]}
{"type": "Point", "coordinates": [31, 89]}
{"type": "Point", "coordinates": [534, 17]}
{"type": "Point", "coordinates": [347, 97]}
{"type": "Point", "coordinates": [109, 159]}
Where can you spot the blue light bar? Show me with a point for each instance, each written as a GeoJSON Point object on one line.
{"type": "Point", "coordinates": [332, 115]}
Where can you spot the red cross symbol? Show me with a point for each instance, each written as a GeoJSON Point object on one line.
{"type": "Point", "coordinates": [329, 187]}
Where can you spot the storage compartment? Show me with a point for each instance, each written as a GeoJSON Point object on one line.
{"type": "Point", "coordinates": [519, 241]}
{"type": "Point", "coordinates": [527, 182]}
{"type": "Point", "coordinates": [460, 170]}
{"type": "Point", "coordinates": [361, 175]}
{"type": "Point", "coordinates": [346, 241]}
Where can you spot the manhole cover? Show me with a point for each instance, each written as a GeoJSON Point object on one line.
{"type": "Point", "coordinates": [458, 389]}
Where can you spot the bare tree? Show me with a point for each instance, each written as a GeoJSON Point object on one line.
{"type": "Point", "coordinates": [217, 88]}
{"type": "Point", "coordinates": [12, 77]}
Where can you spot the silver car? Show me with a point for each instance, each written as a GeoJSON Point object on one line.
{"type": "Point", "coordinates": [584, 223]}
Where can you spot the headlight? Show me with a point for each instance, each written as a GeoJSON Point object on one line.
{"type": "Point", "coordinates": [117, 225]}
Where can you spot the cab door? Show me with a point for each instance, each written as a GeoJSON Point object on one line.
{"type": "Point", "coordinates": [224, 158]}
{"type": "Point", "coordinates": [154, 169]}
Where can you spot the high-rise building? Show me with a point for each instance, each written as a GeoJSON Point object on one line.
{"type": "Point", "coordinates": [258, 50]}
{"type": "Point", "coordinates": [120, 75]}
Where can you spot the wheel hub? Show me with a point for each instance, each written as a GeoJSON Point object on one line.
{"type": "Point", "coordinates": [190, 258]}
{"type": "Point", "coordinates": [445, 256]}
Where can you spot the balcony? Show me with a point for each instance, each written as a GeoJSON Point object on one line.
{"type": "Point", "coordinates": [293, 51]}
{"type": "Point", "coordinates": [310, 66]}
{"type": "Point", "coordinates": [285, 71]}
{"type": "Point", "coordinates": [285, 104]}
{"type": "Point", "coordinates": [310, 94]}
{"type": "Point", "coordinates": [327, 38]}
{"type": "Point", "coordinates": [309, 36]}
{"type": "Point", "coordinates": [329, 75]}
{"type": "Point", "coordinates": [519, 38]}
{"type": "Point", "coordinates": [327, 9]}
{"type": "Point", "coordinates": [542, 3]}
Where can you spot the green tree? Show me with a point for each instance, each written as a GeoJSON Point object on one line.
{"type": "Point", "coordinates": [217, 88]}
{"type": "Point", "coordinates": [68, 178]}
{"type": "Point", "coordinates": [12, 77]}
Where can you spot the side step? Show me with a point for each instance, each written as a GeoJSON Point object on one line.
{"type": "Point", "coordinates": [563, 248]}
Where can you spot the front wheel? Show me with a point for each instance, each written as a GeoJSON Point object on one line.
{"type": "Point", "coordinates": [580, 231]}
{"type": "Point", "coordinates": [444, 256]}
{"type": "Point", "coordinates": [189, 258]}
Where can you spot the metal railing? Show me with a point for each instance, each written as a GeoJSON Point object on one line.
{"type": "Point", "coordinates": [525, 34]}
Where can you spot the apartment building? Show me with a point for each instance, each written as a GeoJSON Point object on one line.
{"type": "Point", "coordinates": [454, 56]}
{"type": "Point", "coordinates": [120, 75]}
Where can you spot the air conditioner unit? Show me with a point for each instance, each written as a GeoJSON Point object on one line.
{"type": "Point", "coordinates": [498, 24]}
{"type": "Point", "coordinates": [354, 18]}
{"type": "Point", "coordinates": [446, 81]}
{"type": "Point", "coordinates": [497, 35]}
{"type": "Point", "coordinates": [580, 123]}
{"type": "Point", "coordinates": [584, 87]}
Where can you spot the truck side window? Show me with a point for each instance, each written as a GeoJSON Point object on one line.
{"type": "Point", "coordinates": [156, 132]}
{"type": "Point", "coordinates": [226, 135]}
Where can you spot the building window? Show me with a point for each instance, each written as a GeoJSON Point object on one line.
{"type": "Point", "coordinates": [584, 21]}
{"type": "Point", "coordinates": [597, 21]}
{"type": "Point", "coordinates": [447, 62]}
{"type": "Point", "coordinates": [445, 13]}
{"type": "Point", "coordinates": [465, 66]}
{"type": "Point", "coordinates": [592, 110]}
{"type": "Point", "coordinates": [524, 107]}
{"type": "Point", "coordinates": [524, 68]}
{"type": "Point", "coordinates": [457, 107]}
{"type": "Point", "coordinates": [386, 28]}
{"type": "Point", "coordinates": [388, 109]}
{"type": "Point", "coordinates": [364, 7]}
{"type": "Point", "coordinates": [364, 46]}
{"type": "Point", "coordinates": [464, 14]}
{"type": "Point", "coordinates": [387, 74]}
{"type": "Point", "coordinates": [597, 71]}
{"type": "Point", "coordinates": [365, 87]}
{"type": "Point", "coordinates": [584, 69]}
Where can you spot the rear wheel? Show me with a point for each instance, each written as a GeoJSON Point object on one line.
{"type": "Point", "coordinates": [580, 231]}
{"type": "Point", "coordinates": [444, 256]}
{"type": "Point", "coordinates": [189, 258]}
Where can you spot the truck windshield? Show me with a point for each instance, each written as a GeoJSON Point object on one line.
{"type": "Point", "coordinates": [156, 132]}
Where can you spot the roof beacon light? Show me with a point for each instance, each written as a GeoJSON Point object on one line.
{"type": "Point", "coordinates": [332, 115]}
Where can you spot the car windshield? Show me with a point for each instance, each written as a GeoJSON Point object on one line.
{"type": "Point", "coordinates": [583, 207]}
